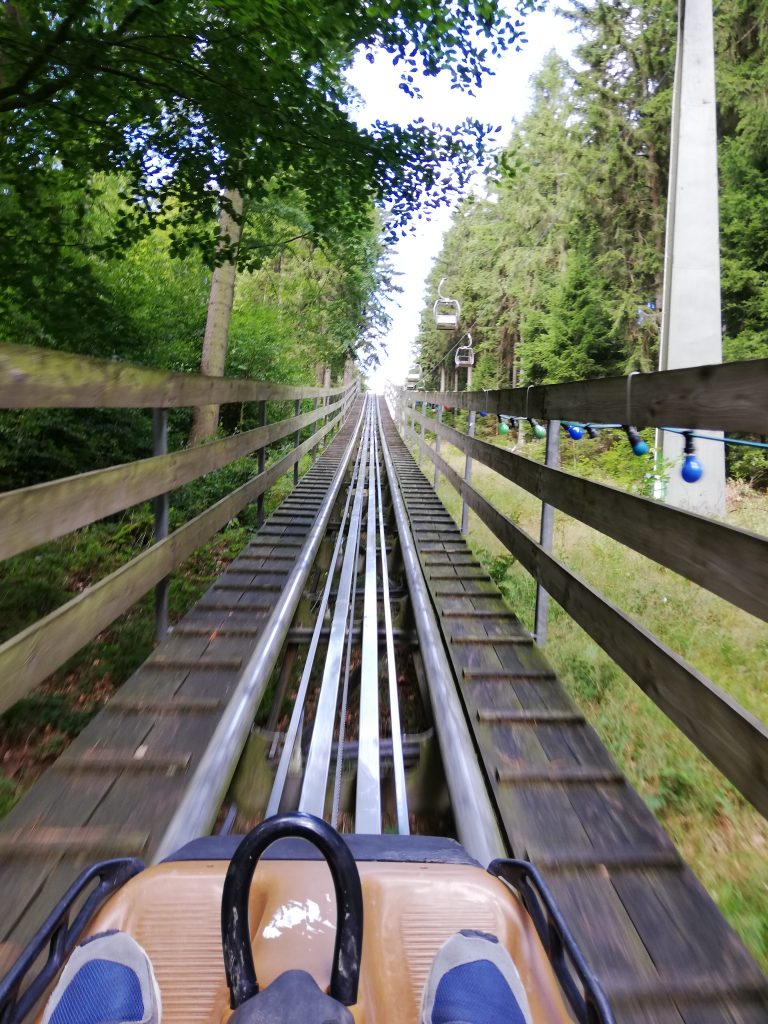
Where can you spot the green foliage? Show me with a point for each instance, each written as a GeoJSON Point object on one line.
{"type": "Point", "coordinates": [749, 464]}
{"type": "Point", "coordinates": [176, 96]}
{"type": "Point", "coordinates": [194, 498]}
{"type": "Point", "coordinates": [43, 444]}
{"type": "Point", "coordinates": [559, 268]}
{"type": "Point", "coordinates": [610, 457]}
{"type": "Point", "coordinates": [9, 795]}
{"type": "Point", "coordinates": [498, 566]}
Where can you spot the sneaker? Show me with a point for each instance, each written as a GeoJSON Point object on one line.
{"type": "Point", "coordinates": [474, 981]}
{"type": "Point", "coordinates": [107, 980]}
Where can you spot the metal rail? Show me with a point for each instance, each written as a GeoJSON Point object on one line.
{"type": "Point", "coordinates": [363, 513]}
{"type": "Point", "coordinates": [473, 811]}
{"type": "Point", "coordinates": [318, 761]}
{"type": "Point", "coordinates": [368, 800]}
{"type": "Point", "coordinates": [401, 800]}
{"type": "Point", "coordinates": [205, 793]}
{"type": "Point", "coordinates": [294, 725]}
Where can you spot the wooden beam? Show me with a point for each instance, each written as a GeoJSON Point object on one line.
{"type": "Point", "coordinates": [40, 378]}
{"type": "Point", "coordinates": [34, 515]}
{"type": "Point", "coordinates": [162, 705]}
{"type": "Point", "coordinates": [526, 716]}
{"type": "Point", "coordinates": [30, 656]}
{"type": "Point", "coordinates": [47, 840]}
{"type": "Point", "coordinates": [629, 859]}
{"type": "Point", "coordinates": [101, 759]}
{"type": "Point", "coordinates": [577, 774]}
{"type": "Point", "coordinates": [729, 562]}
{"type": "Point", "coordinates": [726, 396]}
{"type": "Point", "coordinates": [734, 740]}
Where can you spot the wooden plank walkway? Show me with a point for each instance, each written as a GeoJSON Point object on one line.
{"type": "Point", "coordinates": [116, 787]}
{"type": "Point", "coordinates": [662, 950]}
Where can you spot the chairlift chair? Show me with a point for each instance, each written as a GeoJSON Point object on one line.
{"type": "Point", "coordinates": [465, 355]}
{"type": "Point", "coordinates": [447, 312]}
{"type": "Point", "coordinates": [413, 377]}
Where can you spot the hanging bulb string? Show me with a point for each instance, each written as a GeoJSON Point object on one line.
{"type": "Point", "coordinates": [672, 430]}
{"type": "Point", "coordinates": [722, 440]}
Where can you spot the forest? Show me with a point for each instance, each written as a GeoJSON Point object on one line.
{"type": "Point", "coordinates": [558, 261]}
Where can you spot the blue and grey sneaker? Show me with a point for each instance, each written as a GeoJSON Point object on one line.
{"type": "Point", "coordinates": [474, 981]}
{"type": "Point", "coordinates": [107, 980]}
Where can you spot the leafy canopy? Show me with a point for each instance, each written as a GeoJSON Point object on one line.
{"type": "Point", "coordinates": [186, 99]}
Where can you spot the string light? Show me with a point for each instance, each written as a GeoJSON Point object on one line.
{"type": "Point", "coordinates": [692, 470]}
{"type": "Point", "coordinates": [639, 446]}
{"type": "Point", "coordinates": [538, 431]}
{"type": "Point", "coordinates": [574, 430]}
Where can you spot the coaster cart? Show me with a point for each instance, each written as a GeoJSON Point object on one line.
{"type": "Point", "coordinates": [363, 915]}
{"type": "Point", "coordinates": [446, 311]}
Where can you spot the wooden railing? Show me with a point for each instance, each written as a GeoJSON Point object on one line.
{"type": "Point", "coordinates": [40, 378]}
{"type": "Point", "coordinates": [728, 561]}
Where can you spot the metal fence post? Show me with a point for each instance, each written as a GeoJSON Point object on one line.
{"type": "Point", "coordinates": [417, 436]}
{"type": "Point", "coordinates": [439, 418]}
{"type": "Point", "coordinates": [467, 473]}
{"type": "Point", "coordinates": [314, 429]}
{"type": "Point", "coordinates": [541, 614]}
{"type": "Point", "coordinates": [296, 442]}
{"type": "Point", "coordinates": [262, 463]}
{"type": "Point", "coordinates": [160, 508]}
{"type": "Point", "coordinates": [326, 399]}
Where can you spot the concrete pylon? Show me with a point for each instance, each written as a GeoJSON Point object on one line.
{"type": "Point", "coordinates": [691, 327]}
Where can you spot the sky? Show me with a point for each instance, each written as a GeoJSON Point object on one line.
{"type": "Point", "coordinates": [504, 98]}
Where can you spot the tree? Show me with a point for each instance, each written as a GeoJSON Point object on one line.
{"type": "Point", "coordinates": [575, 217]}
{"type": "Point", "coordinates": [198, 107]}
{"type": "Point", "coordinates": [189, 101]}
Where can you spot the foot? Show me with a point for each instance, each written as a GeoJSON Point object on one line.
{"type": "Point", "coordinates": [107, 980]}
{"type": "Point", "coordinates": [474, 981]}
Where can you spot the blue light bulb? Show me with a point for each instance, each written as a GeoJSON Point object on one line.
{"type": "Point", "coordinates": [575, 431]}
{"type": "Point", "coordinates": [692, 469]}
{"type": "Point", "coordinates": [639, 446]}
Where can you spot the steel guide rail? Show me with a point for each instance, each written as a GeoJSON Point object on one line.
{"type": "Point", "coordinates": [273, 806]}
{"type": "Point", "coordinates": [474, 813]}
{"type": "Point", "coordinates": [205, 793]}
{"type": "Point", "coordinates": [362, 513]}
{"type": "Point", "coordinates": [368, 800]}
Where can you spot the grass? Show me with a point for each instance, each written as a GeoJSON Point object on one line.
{"type": "Point", "coordinates": [718, 833]}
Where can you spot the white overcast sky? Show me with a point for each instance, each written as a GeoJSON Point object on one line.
{"type": "Point", "coordinates": [505, 97]}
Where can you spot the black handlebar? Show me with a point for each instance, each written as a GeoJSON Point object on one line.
{"type": "Point", "coordinates": [235, 932]}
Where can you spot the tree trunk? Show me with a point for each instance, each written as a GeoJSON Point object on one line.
{"type": "Point", "coordinates": [206, 417]}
